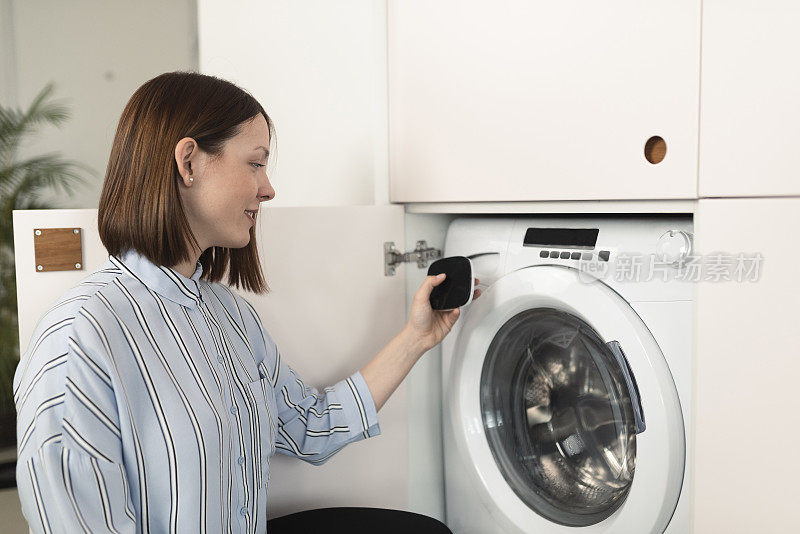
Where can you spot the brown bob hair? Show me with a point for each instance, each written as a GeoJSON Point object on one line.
{"type": "Point", "coordinates": [140, 207]}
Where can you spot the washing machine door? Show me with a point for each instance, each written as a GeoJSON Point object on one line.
{"type": "Point", "coordinates": [567, 407]}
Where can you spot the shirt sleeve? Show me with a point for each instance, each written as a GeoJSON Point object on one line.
{"type": "Point", "coordinates": [70, 473]}
{"type": "Point", "coordinates": [314, 425]}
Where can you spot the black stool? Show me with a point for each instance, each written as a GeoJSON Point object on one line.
{"type": "Point", "coordinates": [356, 520]}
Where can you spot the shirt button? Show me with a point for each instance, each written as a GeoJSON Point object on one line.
{"type": "Point", "coordinates": [233, 409]}
{"type": "Point", "coordinates": [241, 460]}
{"type": "Point", "coordinates": [243, 511]}
{"type": "Point", "coordinates": [219, 359]}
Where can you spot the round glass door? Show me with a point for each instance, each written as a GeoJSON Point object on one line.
{"type": "Point", "coordinates": [558, 416]}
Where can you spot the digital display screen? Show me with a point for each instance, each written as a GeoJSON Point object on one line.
{"type": "Point", "coordinates": [585, 238]}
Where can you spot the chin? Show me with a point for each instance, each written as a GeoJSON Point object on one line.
{"type": "Point", "coordinates": [239, 243]}
{"type": "Point", "coordinates": [242, 244]}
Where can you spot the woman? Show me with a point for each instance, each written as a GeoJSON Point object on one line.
{"type": "Point", "coordinates": [151, 398]}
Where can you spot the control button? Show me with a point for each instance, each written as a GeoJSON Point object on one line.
{"type": "Point", "coordinates": [603, 255]}
{"type": "Point", "coordinates": [544, 254]}
{"type": "Point", "coordinates": [587, 256]}
{"type": "Point", "coordinates": [576, 256]}
{"type": "Point", "coordinates": [219, 359]}
{"type": "Point", "coordinates": [241, 460]}
{"type": "Point", "coordinates": [243, 511]}
{"type": "Point", "coordinates": [554, 254]}
{"type": "Point", "coordinates": [565, 255]}
{"type": "Point", "coordinates": [674, 246]}
{"type": "Point", "coordinates": [233, 409]}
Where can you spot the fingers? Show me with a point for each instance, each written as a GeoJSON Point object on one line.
{"type": "Point", "coordinates": [433, 281]}
{"type": "Point", "coordinates": [424, 291]}
{"type": "Point", "coordinates": [430, 282]}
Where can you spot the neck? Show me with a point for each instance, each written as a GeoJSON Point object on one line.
{"type": "Point", "coordinates": [186, 268]}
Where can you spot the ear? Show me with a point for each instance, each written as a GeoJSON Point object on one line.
{"type": "Point", "coordinates": [187, 156]}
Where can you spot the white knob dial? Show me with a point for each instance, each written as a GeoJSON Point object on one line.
{"type": "Point", "coordinates": [674, 246]}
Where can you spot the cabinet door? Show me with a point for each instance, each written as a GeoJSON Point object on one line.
{"type": "Point", "coordinates": [747, 371]}
{"type": "Point", "coordinates": [749, 107]}
{"type": "Point", "coordinates": [534, 100]}
{"type": "Point", "coordinates": [330, 311]}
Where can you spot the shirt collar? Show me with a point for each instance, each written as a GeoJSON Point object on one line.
{"type": "Point", "coordinates": [165, 281]}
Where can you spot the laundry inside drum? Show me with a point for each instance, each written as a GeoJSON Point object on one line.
{"type": "Point", "coordinates": [558, 417]}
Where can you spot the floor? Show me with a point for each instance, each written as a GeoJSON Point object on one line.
{"type": "Point", "coordinates": [11, 513]}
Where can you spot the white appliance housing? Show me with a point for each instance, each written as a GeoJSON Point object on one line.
{"type": "Point", "coordinates": [650, 318]}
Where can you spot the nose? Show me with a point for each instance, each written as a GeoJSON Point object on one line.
{"type": "Point", "coordinates": [266, 191]}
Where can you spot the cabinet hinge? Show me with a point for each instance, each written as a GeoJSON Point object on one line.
{"type": "Point", "coordinates": [422, 254]}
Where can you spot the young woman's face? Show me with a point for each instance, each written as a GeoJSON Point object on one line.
{"type": "Point", "coordinates": [223, 189]}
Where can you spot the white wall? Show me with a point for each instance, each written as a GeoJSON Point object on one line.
{"type": "Point", "coordinates": [8, 67]}
{"type": "Point", "coordinates": [319, 70]}
{"type": "Point", "coordinates": [97, 52]}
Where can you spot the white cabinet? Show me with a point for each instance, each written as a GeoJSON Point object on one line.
{"type": "Point", "coordinates": [747, 371]}
{"type": "Point", "coordinates": [532, 100]}
{"type": "Point", "coordinates": [749, 108]}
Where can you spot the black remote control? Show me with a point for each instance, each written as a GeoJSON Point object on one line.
{"type": "Point", "coordinates": [456, 290]}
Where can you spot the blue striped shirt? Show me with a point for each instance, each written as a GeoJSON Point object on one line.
{"type": "Point", "coordinates": [152, 402]}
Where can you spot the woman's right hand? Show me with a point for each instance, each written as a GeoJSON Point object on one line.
{"type": "Point", "coordinates": [427, 327]}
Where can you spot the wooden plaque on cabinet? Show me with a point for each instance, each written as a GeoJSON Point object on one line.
{"type": "Point", "coordinates": [57, 249]}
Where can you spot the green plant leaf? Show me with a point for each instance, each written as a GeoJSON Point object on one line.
{"type": "Point", "coordinates": [21, 186]}
{"type": "Point", "coordinates": [16, 124]}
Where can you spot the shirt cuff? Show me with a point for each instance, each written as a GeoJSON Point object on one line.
{"type": "Point", "coordinates": [361, 415]}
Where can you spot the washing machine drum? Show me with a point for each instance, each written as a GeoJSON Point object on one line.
{"type": "Point", "coordinates": [558, 417]}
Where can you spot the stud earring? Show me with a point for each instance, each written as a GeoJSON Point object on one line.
{"type": "Point", "coordinates": [191, 179]}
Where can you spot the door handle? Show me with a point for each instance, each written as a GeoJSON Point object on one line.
{"type": "Point", "coordinates": [630, 383]}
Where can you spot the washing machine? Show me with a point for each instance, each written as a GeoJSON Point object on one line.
{"type": "Point", "coordinates": [566, 385]}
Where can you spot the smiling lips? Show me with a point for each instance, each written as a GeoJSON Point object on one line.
{"type": "Point", "coordinates": [251, 215]}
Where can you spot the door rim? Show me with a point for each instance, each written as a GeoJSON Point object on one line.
{"type": "Point", "coordinates": [661, 449]}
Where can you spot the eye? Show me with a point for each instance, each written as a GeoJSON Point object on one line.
{"type": "Point", "coordinates": [258, 165]}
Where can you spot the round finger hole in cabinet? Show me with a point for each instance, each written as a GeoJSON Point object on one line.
{"type": "Point", "coordinates": [655, 149]}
